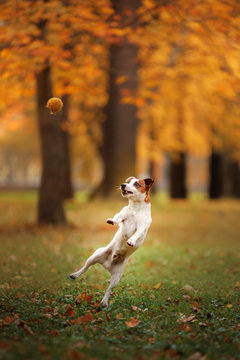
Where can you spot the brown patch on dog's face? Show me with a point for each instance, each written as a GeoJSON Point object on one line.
{"type": "Point", "coordinates": [143, 186]}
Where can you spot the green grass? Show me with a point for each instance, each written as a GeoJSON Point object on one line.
{"type": "Point", "coordinates": [195, 243]}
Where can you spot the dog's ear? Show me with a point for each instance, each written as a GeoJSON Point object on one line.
{"type": "Point", "coordinates": [149, 183]}
{"type": "Point", "coordinates": [129, 179]}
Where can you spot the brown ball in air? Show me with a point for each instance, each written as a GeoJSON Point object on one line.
{"type": "Point", "coordinates": [54, 105]}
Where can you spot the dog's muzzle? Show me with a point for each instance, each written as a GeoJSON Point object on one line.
{"type": "Point", "coordinates": [124, 191]}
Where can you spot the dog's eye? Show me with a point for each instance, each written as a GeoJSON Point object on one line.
{"type": "Point", "coordinates": [137, 184]}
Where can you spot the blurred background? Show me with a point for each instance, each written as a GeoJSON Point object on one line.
{"type": "Point", "coordinates": [150, 88]}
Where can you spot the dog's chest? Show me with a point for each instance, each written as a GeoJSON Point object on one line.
{"type": "Point", "coordinates": [129, 225]}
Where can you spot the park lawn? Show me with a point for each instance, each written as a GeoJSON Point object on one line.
{"type": "Point", "coordinates": [178, 298]}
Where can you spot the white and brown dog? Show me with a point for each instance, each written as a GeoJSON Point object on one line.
{"type": "Point", "coordinates": [134, 221]}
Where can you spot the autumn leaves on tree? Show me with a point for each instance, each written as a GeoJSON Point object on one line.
{"type": "Point", "coordinates": [138, 79]}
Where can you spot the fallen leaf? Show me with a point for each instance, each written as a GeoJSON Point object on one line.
{"type": "Point", "coordinates": [119, 316]}
{"type": "Point", "coordinates": [135, 308]}
{"type": "Point", "coordinates": [22, 324]}
{"type": "Point", "coordinates": [84, 319]}
{"type": "Point", "coordinates": [151, 340]}
{"type": "Point", "coordinates": [84, 297]}
{"type": "Point", "coordinates": [237, 284]}
{"type": "Point", "coordinates": [186, 327]}
{"type": "Point", "coordinates": [196, 307]}
{"type": "Point", "coordinates": [184, 319]}
{"type": "Point", "coordinates": [197, 356]}
{"type": "Point", "coordinates": [55, 311]}
{"type": "Point", "coordinates": [7, 320]}
{"type": "Point", "coordinates": [5, 286]}
{"type": "Point", "coordinates": [132, 323]}
{"type": "Point", "coordinates": [188, 288]}
{"type": "Point", "coordinates": [69, 311]}
{"type": "Point", "coordinates": [202, 324]}
{"type": "Point", "coordinates": [157, 286]}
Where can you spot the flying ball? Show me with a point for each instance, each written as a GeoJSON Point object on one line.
{"type": "Point", "coordinates": [54, 105]}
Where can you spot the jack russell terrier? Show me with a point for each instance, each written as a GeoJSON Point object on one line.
{"type": "Point", "coordinates": [134, 221]}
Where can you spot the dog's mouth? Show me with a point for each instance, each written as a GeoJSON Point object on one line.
{"type": "Point", "coordinates": [126, 192]}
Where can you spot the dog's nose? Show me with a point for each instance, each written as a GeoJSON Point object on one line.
{"type": "Point", "coordinates": [123, 186]}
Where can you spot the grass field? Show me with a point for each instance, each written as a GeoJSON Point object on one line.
{"type": "Point", "coordinates": [179, 297]}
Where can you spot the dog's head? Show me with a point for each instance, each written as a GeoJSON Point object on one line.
{"type": "Point", "coordinates": [137, 189]}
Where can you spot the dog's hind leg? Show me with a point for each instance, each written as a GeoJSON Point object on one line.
{"type": "Point", "coordinates": [116, 274]}
{"type": "Point", "coordinates": [93, 259]}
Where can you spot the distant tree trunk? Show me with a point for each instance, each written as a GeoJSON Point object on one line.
{"type": "Point", "coordinates": [178, 177]}
{"type": "Point", "coordinates": [178, 189]}
{"type": "Point", "coordinates": [119, 129]}
{"type": "Point", "coordinates": [231, 177]}
{"type": "Point", "coordinates": [50, 204]}
{"type": "Point", "coordinates": [68, 188]}
{"type": "Point", "coordinates": [215, 175]}
{"type": "Point", "coordinates": [235, 175]}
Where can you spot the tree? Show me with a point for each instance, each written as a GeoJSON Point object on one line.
{"type": "Point", "coordinates": [66, 163]}
{"type": "Point", "coordinates": [51, 192]}
{"type": "Point", "coordinates": [42, 41]}
{"type": "Point", "coordinates": [190, 41]}
{"type": "Point", "coordinates": [216, 175]}
{"type": "Point", "coordinates": [119, 129]}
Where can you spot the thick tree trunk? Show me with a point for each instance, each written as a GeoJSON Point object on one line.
{"type": "Point", "coordinates": [50, 205]}
{"type": "Point", "coordinates": [119, 128]}
{"type": "Point", "coordinates": [68, 188]}
{"type": "Point", "coordinates": [215, 175]}
{"type": "Point", "coordinates": [178, 177]}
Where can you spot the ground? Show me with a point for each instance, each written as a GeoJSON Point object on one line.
{"type": "Point", "coordinates": [178, 298]}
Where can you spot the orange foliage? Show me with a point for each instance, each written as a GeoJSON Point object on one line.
{"type": "Point", "coordinates": [189, 73]}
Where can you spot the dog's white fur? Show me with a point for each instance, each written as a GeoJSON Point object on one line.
{"type": "Point", "coordinates": [134, 221]}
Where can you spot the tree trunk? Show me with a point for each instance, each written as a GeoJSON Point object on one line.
{"type": "Point", "coordinates": [68, 188]}
{"type": "Point", "coordinates": [216, 175]}
{"type": "Point", "coordinates": [50, 204]}
{"type": "Point", "coordinates": [231, 177]}
{"type": "Point", "coordinates": [235, 175]}
{"type": "Point", "coordinates": [119, 129]}
{"type": "Point", "coordinates": [178, 177]}
{"type": "Point", "coordinates": [178, 189]}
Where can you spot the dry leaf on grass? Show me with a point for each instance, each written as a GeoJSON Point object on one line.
{"type": "Point", "coordinates": [132, 323]}
{"type": "Point", "coordinates": [157, 286]}
{"type": "Point", "coordinates": [184, 319]}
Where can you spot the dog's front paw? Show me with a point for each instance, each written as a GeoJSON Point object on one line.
{"type": "Point", "coordinates": [130, 243]}
{"type": "Point", "coordinates": [111, 221]}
